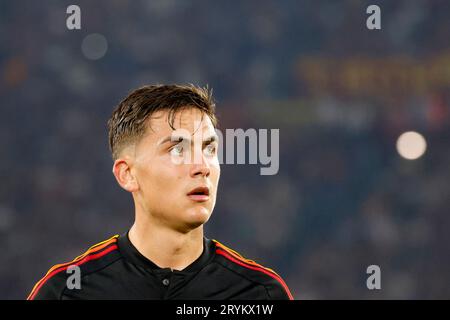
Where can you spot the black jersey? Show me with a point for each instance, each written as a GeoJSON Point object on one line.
{"type": "Point", "coordinates": [114, 269]}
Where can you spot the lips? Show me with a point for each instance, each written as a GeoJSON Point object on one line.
{"type": "Point", "coordinates": [199, 194]}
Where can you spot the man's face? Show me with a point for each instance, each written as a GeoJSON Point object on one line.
{"type": "Point", "coordinates": [169, 164]}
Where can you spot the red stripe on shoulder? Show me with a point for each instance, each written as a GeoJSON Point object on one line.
{"type": "Point", "coordinates": [255, 267]}
{"type": "Point", "coordinates": [63, 267]}
{"type": "Point", "coordinates": [95, 248]}
{"type": "Point", "coordinates": [239, 257]}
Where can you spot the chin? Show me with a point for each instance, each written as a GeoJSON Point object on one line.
{"type": "Point", "coordinates": [198, 216]}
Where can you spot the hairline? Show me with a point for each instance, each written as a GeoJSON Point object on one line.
{"type": "Point", "coordinates": [167, 112]}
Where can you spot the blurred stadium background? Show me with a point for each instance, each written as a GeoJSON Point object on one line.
{"type": "Point", "coordinates": [341, 95]}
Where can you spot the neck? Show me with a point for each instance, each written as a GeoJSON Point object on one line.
{"type": "Point", "coordinates": [165, 247]}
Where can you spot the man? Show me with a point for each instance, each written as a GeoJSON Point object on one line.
{"type": "Point", "coordinates": [164, 146]}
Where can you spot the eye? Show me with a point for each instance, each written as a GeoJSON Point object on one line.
{"type": "Point", "coordinates": [177, 150]}
{"type": "Point", "coordinates": [211, 149]}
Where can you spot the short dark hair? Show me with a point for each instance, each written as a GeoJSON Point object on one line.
{"type": "Point", "coordinates": [128, 121]}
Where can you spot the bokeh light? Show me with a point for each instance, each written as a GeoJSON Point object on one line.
{"type": "Point", "coordinates": [411, 145]}
{"type": "Point", "coordinates": [94, 46]}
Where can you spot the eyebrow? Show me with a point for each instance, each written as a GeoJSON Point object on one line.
{"type": "Point", "coordinates": [209, 139]}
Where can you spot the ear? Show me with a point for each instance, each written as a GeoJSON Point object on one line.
{"type": "Point", "coordinates": [124, 175]}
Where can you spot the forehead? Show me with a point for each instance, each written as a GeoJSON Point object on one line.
{"type": "Point", "coordinates": [190, 119]}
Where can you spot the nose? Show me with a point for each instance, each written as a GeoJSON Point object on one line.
{"type": "Point", "coordinates": [201, 168]}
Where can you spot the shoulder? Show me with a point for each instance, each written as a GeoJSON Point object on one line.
{"type": "Point", "coordinates": [96, 257]}
{"type": "Point", "coordinates": [276, 287]}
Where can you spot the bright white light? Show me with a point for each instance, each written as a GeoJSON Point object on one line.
{"type": "Point", "coordinates": [411, 145]}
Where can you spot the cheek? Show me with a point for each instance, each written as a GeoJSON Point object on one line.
{"type": "Point", "coordinates": [162, 191]}
{"type": "Point", "coordinates": [165, 182]}
{"type": "Point", "coordinates": [152, 179]}
{"type": "Point", "coordinates": [215, 173]}
{"type": "Point", "coordinates": [216, 165]}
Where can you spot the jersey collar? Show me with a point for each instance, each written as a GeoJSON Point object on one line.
{"type": "Point", "coordinates": [129, 251]}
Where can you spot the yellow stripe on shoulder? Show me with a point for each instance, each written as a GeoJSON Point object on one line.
{"type": "Point", "coordinates": [91, 249]}
{"type": "Point", "coordinates": [240, 257]}
{"type": "Point", "coordinates": [97, 246]}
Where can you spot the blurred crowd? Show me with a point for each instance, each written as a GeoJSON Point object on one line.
{"type": "Point", "coordinates": [343, 198]}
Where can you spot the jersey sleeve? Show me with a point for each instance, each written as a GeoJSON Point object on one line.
{"type": "Point", "coordinates": [50, 287]}
{"type": "Point", "coordinates": [278, 290]}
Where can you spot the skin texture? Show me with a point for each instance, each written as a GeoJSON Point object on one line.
{"type": "Point", "coordinates": [168, 227]}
